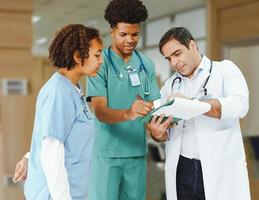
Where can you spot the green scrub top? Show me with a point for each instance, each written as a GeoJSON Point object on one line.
{"type": "Point", "coordinates": [128, 138]}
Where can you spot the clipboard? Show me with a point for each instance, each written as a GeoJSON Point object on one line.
{"type": "Point", "coordinates": [149, 116]}
{"type": "Point", "coordinates": [179, 108]}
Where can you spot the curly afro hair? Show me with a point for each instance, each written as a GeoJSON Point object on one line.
{"type": "Point", "coordinates": [68, 40]}
{"type": "Point", "coordinates": [127, 11]}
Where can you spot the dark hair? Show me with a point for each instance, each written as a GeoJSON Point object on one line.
{"type": "Point", "coordinates": [182, 34]}
{"type": "Point", "coordinates": [127, 11]}
{"type": "Point", "coordinates": [68, 40]}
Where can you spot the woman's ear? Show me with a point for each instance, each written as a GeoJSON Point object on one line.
{"type": "Point", "coordinates": [77, 58]}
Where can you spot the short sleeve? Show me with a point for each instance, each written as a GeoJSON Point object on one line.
{"type": "Point", "coordinates": [97, 86]}
{"type": "Point", "coordinates": [58, 115]}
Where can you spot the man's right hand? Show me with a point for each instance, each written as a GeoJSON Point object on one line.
{"type": "Point", "coordinates": [21, 169]}
{"type": "Point", "coordinates": [139, 108]}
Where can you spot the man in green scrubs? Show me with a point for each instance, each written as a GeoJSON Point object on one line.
{"type": "Point", "coordinates": [123, 91]}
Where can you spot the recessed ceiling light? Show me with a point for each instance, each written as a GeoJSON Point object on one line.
{"type": "Point", "coordinates": [41, 40]}
{"type": "Point", "coordinates": [35, 19]}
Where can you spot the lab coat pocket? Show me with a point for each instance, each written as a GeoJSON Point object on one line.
{"type": "Point", "coordinates": [223, 145]}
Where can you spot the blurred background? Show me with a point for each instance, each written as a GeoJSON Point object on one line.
{"type": "Point", "coordinates": [224, 29]}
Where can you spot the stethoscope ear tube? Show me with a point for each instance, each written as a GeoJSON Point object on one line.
{"type": "Point", "coordinates": [203, 87]}
{"type": "Point", "coordinates": [206, 82]}
{"type": "Point", "coordinates": [175, 79]}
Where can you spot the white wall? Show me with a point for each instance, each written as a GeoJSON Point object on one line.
{"type": "Point", "coordinates": [246, 58]}
{"type": "Point", "coordinates": [152, 31]}
{"type": "Point", "coordinates": [194, 20]}
{"type": "Point", "coordinates": [163, 70]}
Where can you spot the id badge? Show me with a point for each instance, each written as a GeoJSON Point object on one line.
{"type": "Point", "coordinates": [86, 108]}
{"type": "Point", "coordinates": [134, 79]}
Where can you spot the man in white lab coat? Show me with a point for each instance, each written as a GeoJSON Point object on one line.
{"type": "Point", "coordinates": [205, 157]}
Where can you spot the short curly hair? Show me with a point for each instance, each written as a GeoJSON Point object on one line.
{"type": "Point", "coordinates": [127, 11]}
{"type": "Point", "coordinates": [68, 40]}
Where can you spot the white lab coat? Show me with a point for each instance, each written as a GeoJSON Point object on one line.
{"type": "Point", "coordinates": [220, 142]}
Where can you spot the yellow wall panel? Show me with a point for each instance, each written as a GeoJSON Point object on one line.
{"type": "Point", "coordinates": [16, 5]}
{"type": "Point", "coordinates": [231, 3]}
{"type": "Point", "coordinates": [17, 114]}
{"type": "Point", "coordinates": [1, 158]}
{"type": "Point", "coordinates": [17, 63]}
{"type": "Point", "coordinates": [15, 57]}
{"type": "Point", "coordinates": [15, 30]}
{"type": "Point", "coordinates": [239, 23]}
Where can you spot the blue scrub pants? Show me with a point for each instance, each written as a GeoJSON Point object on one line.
{"type": "Point", "coordinates": [118, 178]}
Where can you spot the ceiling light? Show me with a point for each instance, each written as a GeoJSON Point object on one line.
{"type": "Point", "coordinates": [35, 19]}
{"type": "Point", "coordinates": [41, 40]}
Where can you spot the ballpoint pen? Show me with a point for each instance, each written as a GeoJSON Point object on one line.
{"type": "Point", "coordinates": [139, 97]}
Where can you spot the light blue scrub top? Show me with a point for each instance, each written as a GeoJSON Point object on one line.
{"type": "Point", "coordinates": [62, 114]}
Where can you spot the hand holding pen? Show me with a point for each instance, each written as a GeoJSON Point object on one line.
{"type": "Point", "coordinates": [139, 97]}
{"type": "Point", "coordinates": [139, 108]}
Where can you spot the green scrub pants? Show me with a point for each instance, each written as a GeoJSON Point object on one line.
{"type": "Point", "coordinates": [118, 178]}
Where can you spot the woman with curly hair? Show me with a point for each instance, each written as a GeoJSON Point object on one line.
{"type": "Point", "coordinates": [119, 163]}
{"type": "Point", "coordinates": [63, 130]}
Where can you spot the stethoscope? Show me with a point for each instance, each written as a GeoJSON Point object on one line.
{"type": "Point", "coordinates": [204, 89]}
{"type": "Point", "coordinates": [146, 87]}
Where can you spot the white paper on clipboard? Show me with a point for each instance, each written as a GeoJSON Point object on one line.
{"type": "Point", "coordinates": [184, 108]}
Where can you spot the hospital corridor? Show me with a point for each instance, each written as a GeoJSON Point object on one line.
{"type": "Point", "coordinates": [78, 79]}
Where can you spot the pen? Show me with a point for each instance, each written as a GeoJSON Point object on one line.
{"type": "Point", "coordinates": [139, 97]}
